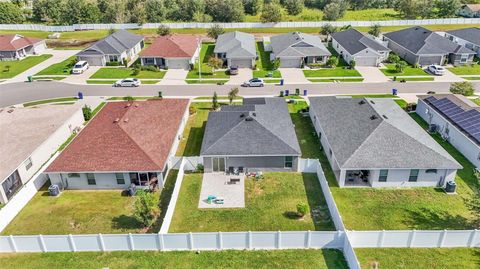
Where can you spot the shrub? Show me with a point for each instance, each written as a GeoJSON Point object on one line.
{"type": "Point", "coordinates": [302, 209]}
{"type": "Point", "coordinates": [332, 61]}
{"type": "Point", "coordinates": [192, 110]}
{"type": "Point", "coordinates": [353, 64]}
{"type": "Point", "coordinates": [128, 98]}
{"type": "Point", "coordinates": [115, 63]}
{"type": "Point", "coordinates": [315, 65]}
{"type": "Point", "coordinates": [87, 112]}
{"type": "Point", "coordinates": [393, 58]}
{"type": "Point", "coordinates": [146, 208]}
{"type": "Point", "coordinates": [200, 168]}
{"type": "Point", "coordinates": [163, 30]}
{"type": "Point", "coordinates": [464, 88]}
{"type": "Point", "coordinates": [148, 68]}
{"type": "Point", "coordinates": [276, 64]}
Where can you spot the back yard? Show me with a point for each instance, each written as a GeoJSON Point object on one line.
{"type": "Point", "coordinates": [270, 204]}
{"type": "Point", "coordinates": [9, 69]}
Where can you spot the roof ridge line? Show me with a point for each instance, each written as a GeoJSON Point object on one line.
{"type": "Point", "coordinates": [363, 142]}
{"type": "Point", "coordinates": [233, 127]}
{"type": "Point", "coordinates": [279, 138]}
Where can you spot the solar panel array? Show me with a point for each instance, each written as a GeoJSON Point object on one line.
{"type": "Point", "coordinates": [468, 121]}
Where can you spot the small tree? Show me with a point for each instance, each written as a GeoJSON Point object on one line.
{"type": "Point", "coordinates": [215, 104]}
{"type": "Point", "coordinates": [375, 30]}
{"type": "Point", "coordinates": [146, 208]}
{"type": "Point", "coordinates": [400, 66]}
{"type": "Point", "coordinates": [464, 88]}
{"type": "Point", "coordinates": [87, 112]}
{"type": "Point", "coordinates": [332, 61]}
{"type": "Point", "coordinates": [214, 63]}
{"type": "Point", "coordinates": [393, 58]}
{"type": "Point", "coordinates": [215, 31]}
{"type": "Point", "coordinates": [353, 64]}
{"type": "Point", "coordinates": [232, 94]}
{"type": "Point", "coordinates": [276, 63]}
{"type": "Point", "coordinates": [163, 30]}
{"type": "Point", "coordinates": [302, 209]}
{"type": "Point", "coordinates": [327, 30]}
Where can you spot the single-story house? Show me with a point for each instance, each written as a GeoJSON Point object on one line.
{"type": "Point", "coordinates": [236, 49]}
{"type": "Point", "coordinates": [172, 51]}
{"type": "Point", "coordinates": [29, 136]}
{"type": "Point", "coordinates": [467, 37]}
{"type": "Point", "coordinates": [125, 143]}
{"type": "Point", "coordinates": [470, 11]}
{"type": "Point", "coordinates": [297, 49]}
{"type": "Point", "coordinates": [375, 143]}
{"type": "Point", "coordinates": [364, 50]}
{"type": "Point", "coordinates": [117, 48]}
{"type": "Point", "coordinates": [456, 119]}
{"type": "Point", "coordinates": [16, 47]}
{"type": "Point", "coordinates": [418, 45]}
{"type": "Point", "coordinates": [257, 136]}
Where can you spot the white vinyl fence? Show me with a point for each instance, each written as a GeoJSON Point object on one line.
{"type": "Point", "coordinates": [173, 200]}
{"type": "Point", "coordinates": [239, 25]}
{"type": "Point", "coordinates": [167, 242]}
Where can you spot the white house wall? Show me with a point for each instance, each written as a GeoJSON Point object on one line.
{"type": "Point", "coordinates": [399, 178]}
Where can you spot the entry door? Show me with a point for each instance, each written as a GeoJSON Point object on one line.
{"type": "Point", "coordinates": [218, 164]}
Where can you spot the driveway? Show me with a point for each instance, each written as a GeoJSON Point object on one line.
{"type": "Point", "coordinates": [243, 75]}
{"type": "Point", "coordinates": [448, 77]}
{"type": "Point", "coordinates": [82, 78]}
{"type": "Point", "coordinates": [174, 77]}
{"type": "Point", "coordinates": [58, 56]}
{"type": "Point", "coordinates": [293, 76]}
{"type": "Point", "coordinates": [371, 74]}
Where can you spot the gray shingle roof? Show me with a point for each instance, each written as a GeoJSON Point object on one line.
{"type": "Point", "coordinates": [262, 126]}
{"type": "Point", "coordinates": [353, 42]}
{"type": "Point", "coordinates": [390, 140]}
{"type": "Point", "coordinates": [298, 44]}
{"type": "Point", "coordinates": [115, 43]}
{"type": "Point", "coordinates": [420, 40]}
{"type": "Point", "coordinates": [236, 44]}
{"type": "Point", "coordinates": [470, 34]}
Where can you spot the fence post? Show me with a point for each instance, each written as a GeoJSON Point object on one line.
{"type": "Point", "coordinates": [381, 239]}
{"type": "Point", "coordinates": [12, 242]}
{"type": "Point", "coordinates": [472, 238]}
{"type": "Point", "coordinates": [102, 244]}
{"type": "Point", "coordinates": [249, 245]}
{"type": "Point", "coordinates": [412, 238]}
{"type": "Point", "coordinates": [190, 241]}
{"type": "Point", "coordinates": [42, 243]}
{"type": "Point", "coordinates": [220, 240]}
{"type": "Point", "coordinates": [279, 240]}
{"type": "Point", "coordinates": [130, 241]}
{"type": "Point", "coordinates": [309, 239]}
{"type": "Point", "coordinates": [161, 244]}
{"type": "Point", "coordinates": [442, 238]}
{"type": "Point", "coordinates": [72, 243]}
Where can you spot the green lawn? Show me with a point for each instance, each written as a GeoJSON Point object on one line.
{"type": "Point", "coordinates": [473, 69]}
{"type": "Point", "coordinates": [122, 72]}
{"type": "Point", "coordinates": [415, 258]}
{"type": "Point", "coordinates": [264, 65]}
{"type": "Point", "coordinates": [48, 78]}
{"type": "Point", "coordinates": [206, 81]}
{"type": "Point", "coordinates": [271, 81]}
{"type": "Point", "coordinates": [9, 69]}
{"type": "Point", "coordinates": [306, 135]}
{"type": "Point", "coordinates": [336, 80]}
{"type": "Point", "coordinates": [270, 204]}
{"type": "Point", "coordinates": [61, 68]}
{"type": "Point", "coordinates": [93, 81]}
{"type": "Point", "coordinates": [258, 259]}
{"type": "Point", "coordinates": [81, 212]}
{"type": "Point", "coordinates": [332, 72]}
{"type": "Point", "coordinates": [47, 101]}
{"type": "Point", "coordinates": [472, 78]}
{"type": "Point", "coordinates": [206, 52]}
{"type": "Point", "coordinates": [409, 71]}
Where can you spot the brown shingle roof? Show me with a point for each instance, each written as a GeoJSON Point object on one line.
{"type": "Point", "coordinates": [123, 137]}
{"type": "Point", "coordinates": [9, 43]}
{"type": "Point", "coordinates": [172, 46]}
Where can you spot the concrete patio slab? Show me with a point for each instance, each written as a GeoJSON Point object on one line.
{"type": "Point", "coordinates": [216, 184]}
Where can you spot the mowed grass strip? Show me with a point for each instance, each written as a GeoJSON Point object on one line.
{"type": "Point", "coordinates": [47, 101]}
{"type": "Point", "coordinates": [473, 69]}
{"type": "Point", "coordinates": [9, 69]}
{"type": "Point", "coordinates": [302, 258]}
{"type": "Point", "coordinates": [122, 72]}
{"type": "Point", "coordinates": [270, 204]}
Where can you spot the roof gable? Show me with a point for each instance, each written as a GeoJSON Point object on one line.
{"type": "Point", "coordinates": [353, 42]}
{"type": "Point", "coordinates": [471, 34]}
{"type": "Point", "coordinates": [16, 42]}
{"type": "Point", "coordinates": [116, 43]}
{"type": "Point", "coordinates": [236, 44]}
{"type": "Point", "coordinates": [172, 46]}
{"type": "Point", "coordinates": [298, 44]}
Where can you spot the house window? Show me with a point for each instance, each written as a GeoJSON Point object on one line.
{"type": "Point", "coordinates": [120, 178]}
{"type": "Point", "coordinates": [464, 58]}
{"type": "Point", "coordinates": [288, 161]}
{"type": "Point", "coordinates": [28, 163]}
{"type": "Point", "coordinates": [469, 46]}
{"type": "Point", "coordinates": [113, 58]}
{"type": "Point", "coordinates": [149, 60]}
{"type": "Point", "coordinates": [73, 175]}
{"type": "Point", "coordinates": [383, 175]}
{"type": "Point", "coordinates": [91, 179]}
{"type": "Point", "coordinates": [431, 171]}
{"type": "Point", "coordinates": [413, 175]}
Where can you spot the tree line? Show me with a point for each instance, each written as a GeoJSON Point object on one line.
{"type": "Point", "coordinates": [58, 12]}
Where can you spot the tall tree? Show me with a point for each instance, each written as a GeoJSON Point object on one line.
{"type": "Point", "coordinates": [215, 31]}
{"type": "Point", "coordinates": [335, 10]}
{"type": "Point", "coordinates": [252, 7]}
{"type": "Point", "coordinates": [10, 13]}
{"type": "Point", "coordinates": [294, 7]}
{"type": "Point", "coordinates": [271, 13]}
{"type": "Point", "coordinates": [225, 10]}
{"type": "Point", "coordinates": [155, 10]}
{"type": "Point", "coordinates": [49, 11]}
{"type": "Point", "coordinates": [412, 9]}
{"type": "Point", "coordinates": [447, 8]}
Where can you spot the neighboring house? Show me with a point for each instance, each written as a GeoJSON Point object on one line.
{"type": "Point", "coordinates": [296, 49]}
{"type": "Point", "coordinates": [125, 143]}
{"type": "Point", "coordinates": [467, 37]}
{"type": "Point", "coordinates": [374, 143]}
{"type": "Point", "coordinates": [258, 136]}
{"type": "Point", "coordinates": [236, 49]}
{"type": "Point", "coordinates": [418, 45]}
{"type": "Point", "coordinates": [172, 51]}
{"type": "Point", "coordinates": [470, 11]}
{"type": "Point", "coordinates": [118, 47]}
{"type": "Point", "coordinates": [353, 45]}
{"type": "Point", "coordinates": [456, 119]}
{"type": "Point", "coordinates": [16, 47]}
{"type": "Point", "coordinates": [28, 138]}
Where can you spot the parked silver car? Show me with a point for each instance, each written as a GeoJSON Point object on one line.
{"type": "Point", "coordinates": [128, 82]}
{"type": "Point", "coordinates": [254, 82]}
{"type": "Point", "coordinates": [436, 70]}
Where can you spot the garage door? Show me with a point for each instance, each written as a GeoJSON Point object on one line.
{"type": "Point", "coordinates": [366, 61]}
{"type": "Point", "coordinates": [428, 60]}
{"type": "Point", "coordinates": [242, 63]}
{"type": "Point", "coordinates": [178, 64]}
{"type": "Point", "coordinates": [286, 63]}
{"type": "Point", "coordinates": [93, 61]}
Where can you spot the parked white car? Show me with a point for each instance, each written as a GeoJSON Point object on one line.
{"type": "Point", "coordinates": [254, 82]}
{"type": "Point", "coordinates": [436, 70]}
{"type": "Point", "coordinates": [80, 67]}
{"type": "Point", "coordinates": [128, 82]}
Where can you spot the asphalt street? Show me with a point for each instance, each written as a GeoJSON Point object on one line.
{"type": "Point", "coordinates": [16, 93]}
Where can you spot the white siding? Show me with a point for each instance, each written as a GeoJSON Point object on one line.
{"type": "Point", "coordinates": [399, 178]}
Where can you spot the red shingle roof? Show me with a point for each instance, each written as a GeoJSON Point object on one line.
{"type": "Point", "coordinates": [172, 46]}
{"type": "Point", "coordinates": [122, 137]}
{"type": "Point", "coordinates": [16, 42]}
